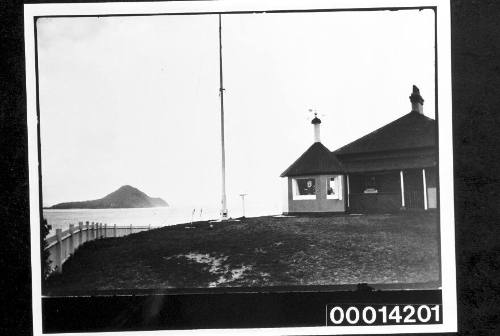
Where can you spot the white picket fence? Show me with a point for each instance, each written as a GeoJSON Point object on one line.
{"type": "Point", "coordinates": [65, 243]}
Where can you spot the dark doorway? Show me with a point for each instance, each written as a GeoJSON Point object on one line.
{"type": "Point", "coordinates": [414, 189]}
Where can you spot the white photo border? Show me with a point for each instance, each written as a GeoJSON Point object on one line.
{"type": "Point", "coordinates": [444, 107]}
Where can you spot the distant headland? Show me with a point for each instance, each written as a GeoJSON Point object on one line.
{"type": "Point", "coordinates": [125, 197]}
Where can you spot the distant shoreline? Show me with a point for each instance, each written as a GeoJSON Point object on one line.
{"type": "Point", "coordinates": [155, 207]}
{"type": "Point", "coordinates": [124, 197]}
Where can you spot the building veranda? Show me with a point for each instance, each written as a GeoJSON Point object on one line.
{"type": "Point", "coordinates": [391, 169]}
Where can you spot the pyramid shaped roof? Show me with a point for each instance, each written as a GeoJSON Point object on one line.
{"type": "Point", "coordinates": [317, 159]}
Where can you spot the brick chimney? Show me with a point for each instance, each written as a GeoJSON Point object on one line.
{"type": "Point", "coordinates": [417, 102]}
{"type": "Point", "coordinates": [316, 122]}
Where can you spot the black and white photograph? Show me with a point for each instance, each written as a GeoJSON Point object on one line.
{"type": "Point", "coordinates": [214, 149]}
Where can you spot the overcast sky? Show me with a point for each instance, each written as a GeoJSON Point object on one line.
{"type": "Point", "coordinates": [134, 100]}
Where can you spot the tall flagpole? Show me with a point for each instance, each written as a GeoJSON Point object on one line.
{"type": "Point", "coordinates": [223, 211]}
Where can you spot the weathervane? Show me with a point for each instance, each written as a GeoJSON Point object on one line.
{"type": "Point", "coordinates": [313, 113]}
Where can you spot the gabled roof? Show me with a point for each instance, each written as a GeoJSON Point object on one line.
{"type": "Point", "coordinates": [413, 130]}
{"type": "Point", "coordinates": [317, 159]}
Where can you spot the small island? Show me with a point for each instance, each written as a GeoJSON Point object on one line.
{"type": "Point", "coordinates": [124, 197]}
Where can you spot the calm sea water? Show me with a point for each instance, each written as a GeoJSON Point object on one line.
{"type": "Point", "coordinates": [156, 217]}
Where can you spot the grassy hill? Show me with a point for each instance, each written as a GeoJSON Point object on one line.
{"type": "Point", "coordinates": [398, 250]}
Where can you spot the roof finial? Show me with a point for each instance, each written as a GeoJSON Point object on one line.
{"type": "Point", "coordinates": [416, 100]}
{"type": "Point", "coordinates": [415, 96]}
{"type": "Point", "coordinates": [315, 120]}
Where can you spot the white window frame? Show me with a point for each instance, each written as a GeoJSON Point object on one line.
{"type": "Point", "coordinates": [295, 189]}
{"type": "Point", "coordinates": [339, 195]}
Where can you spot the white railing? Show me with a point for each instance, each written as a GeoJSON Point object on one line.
{"type": "Point", "coordinates": [65, 243]}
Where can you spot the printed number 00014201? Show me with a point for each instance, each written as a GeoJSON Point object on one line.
{"type": "Point", "coordinates": [383, 314]}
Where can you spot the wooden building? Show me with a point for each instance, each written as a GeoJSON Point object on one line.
{"type": "Point", "coordinates": [390, 169]}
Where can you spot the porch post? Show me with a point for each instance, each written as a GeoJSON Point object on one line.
{"type": "Point", "coordinates": [402, 188]}
{"type": "Point", "coordinates": [348, 191]}
{"type": "Point", "coordinates": [425, 188]}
